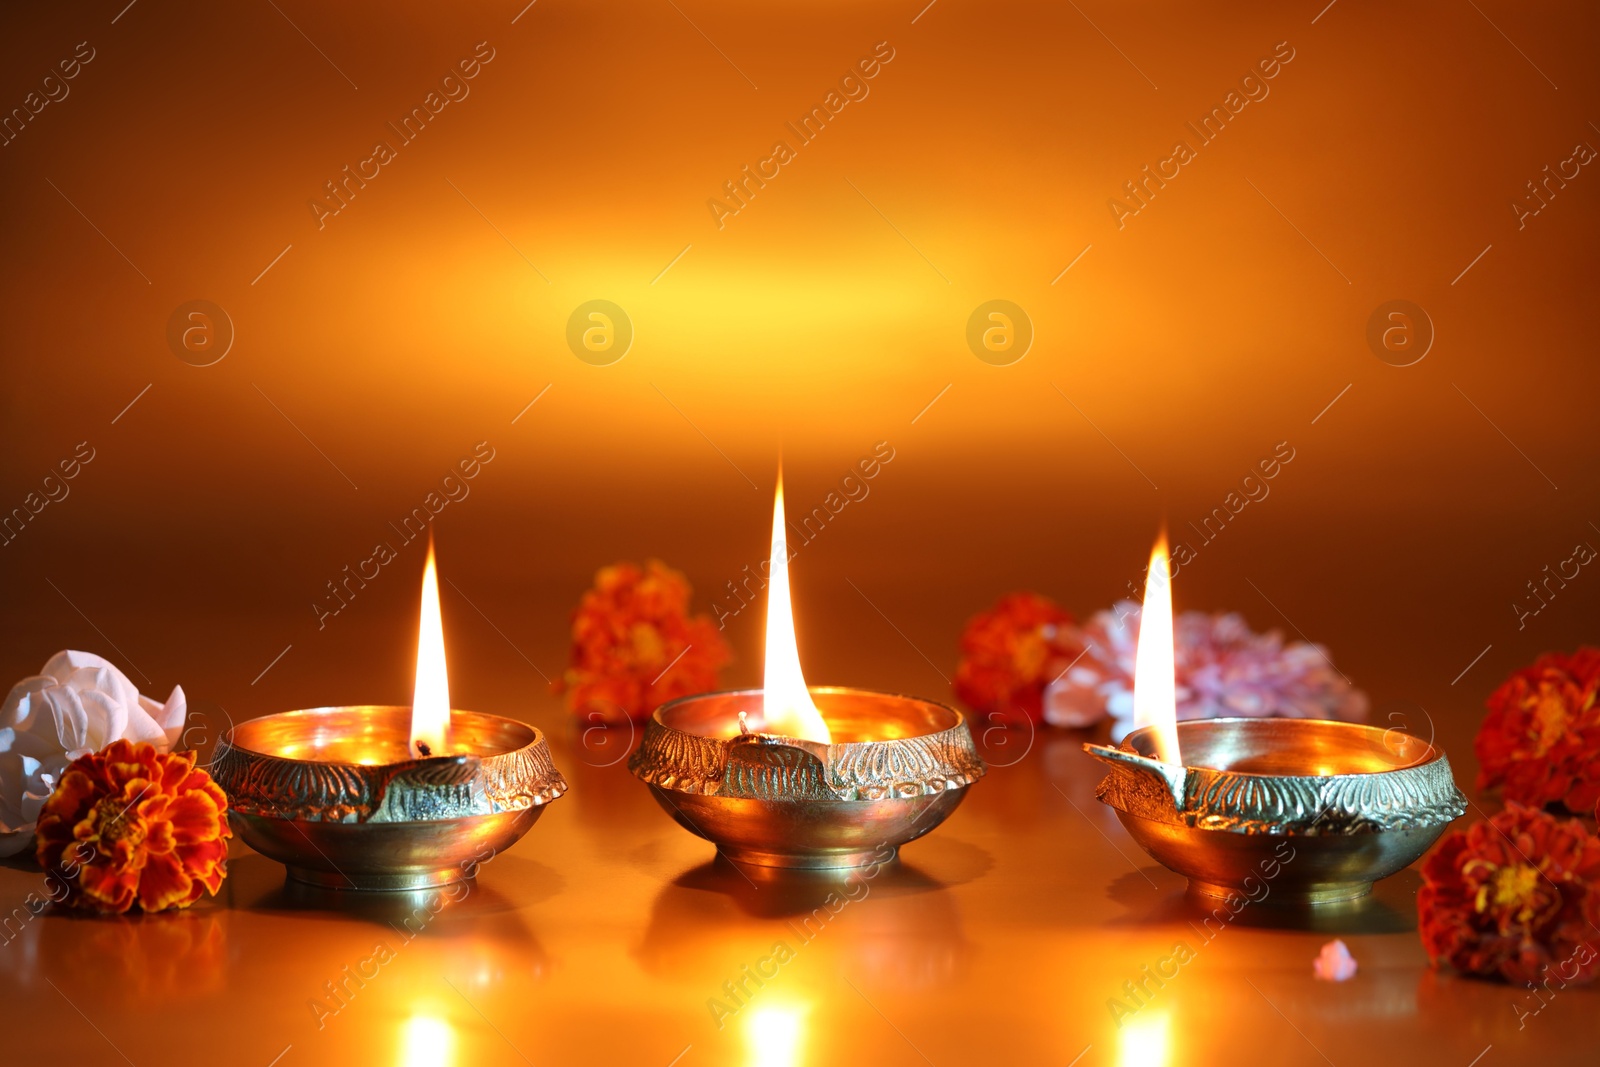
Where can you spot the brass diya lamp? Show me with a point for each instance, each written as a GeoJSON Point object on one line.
{"type": "Point", "coordinates": [796, 776]}
{"type": "Point", "coordinates": [387, 798]}
{"type": "Point", "coordinates": [1299, 811]}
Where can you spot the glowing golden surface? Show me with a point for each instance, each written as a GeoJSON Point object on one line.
{"type": "Point", "coordinates": [371, 735]}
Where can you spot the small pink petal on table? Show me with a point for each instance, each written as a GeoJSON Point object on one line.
{"type": "Point", "coordinates": [1334, 963]}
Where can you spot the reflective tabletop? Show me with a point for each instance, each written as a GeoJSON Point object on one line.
{"type": "Point", "coordinates": [1027, 929]}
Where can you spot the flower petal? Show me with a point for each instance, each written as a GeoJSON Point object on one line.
{"type": "Point", "coordinates": [111, 890]}
{"type": "Point", "coordinates": [22, 702]}
{"type": "Point", "coordinates": [169, 716]}
{"type": "Point", "coordinates": [69, 718]}
{"type": "Point", "coordinates": [163, 883]}
{"type": "Point", "coordinates": [194, 817]}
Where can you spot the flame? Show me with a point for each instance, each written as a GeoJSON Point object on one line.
{"type": "Point", "coordinates": [430, 701]}
{"type": "Point", "coordinates": [786, 703]}
{"type": "Point", "coordinates": [1155, 687]}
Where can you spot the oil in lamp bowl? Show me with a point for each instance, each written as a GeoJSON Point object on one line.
{"type": "Point", "coordinates": [1301, 811]}
{"type": "Point", "coordinates": [335, 795]}
{"type": "Point", "coordinates": [897, 767]}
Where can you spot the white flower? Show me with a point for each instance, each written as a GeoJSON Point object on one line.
{"type": "Point", "coordinates": [77, 704]}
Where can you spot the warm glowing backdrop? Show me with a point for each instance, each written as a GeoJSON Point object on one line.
{"type": "Point", "coordinates": [375, 348]}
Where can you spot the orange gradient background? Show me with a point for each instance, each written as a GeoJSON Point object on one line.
{"type": "Point", "coordinates": [827, 316]}
{"type": "Point", "coordinates": [408, 329]}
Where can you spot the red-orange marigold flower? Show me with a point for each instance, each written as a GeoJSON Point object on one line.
{"type": "Point", "coordinates": [1010, 653]}
{"type": "Point", "coordinates": [635, 646]}
{"type": "Point", "coordinates": [1541, 739]}
{"type": "Point", "coordinates": [132, 826]}
{"type": "Point", "coordinates": [1517, 896]}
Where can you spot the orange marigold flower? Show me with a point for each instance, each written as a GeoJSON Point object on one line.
{"type": "Point", "coordinates": [132, 826]}
{"type": "Point", "coordinates": [635, 646]}
{"type": "Point", "coordinates": [1010, 653]}
{"type": "Point", "coordinates": [1517, 896]}
{"type": "Point", "coordinates": [1541, 739]}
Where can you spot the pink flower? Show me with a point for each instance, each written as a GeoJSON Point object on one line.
{"type": "Point", "coordinates": [1224, 670]}
{"type": "Point", "coordinates": [1334, 963]}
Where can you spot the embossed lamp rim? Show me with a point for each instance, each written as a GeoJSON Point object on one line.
{"type": "Point", "coordinates": [1359, 788]}
{"type": "Point", "coordinates": [1352, 815]}
{"type": "Point", "coordinates": [350, 818]}
{"type": "Point", "coordinates": [901, 766]}
{"type": "Point", "coordinates": [508, 767]}
{"type": "Point", "coordinates": [933, 751]}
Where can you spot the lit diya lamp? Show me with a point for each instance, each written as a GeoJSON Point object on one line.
{"type": "Point", "coordinates": [1297, 810]}
{"type": "Point", "coordinates": [371, 797]}
{"type": "Point", "coordinates": [791, 775]}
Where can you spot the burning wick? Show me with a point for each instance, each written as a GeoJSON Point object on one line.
{"type": "Point", "coordinates": [423, 749]}
{"type": "Point", "coordinates": [1155, 684]}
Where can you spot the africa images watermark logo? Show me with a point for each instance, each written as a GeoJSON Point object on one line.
{"type": "Point", "coordinates": [199, 332]}
{"type": "Point", "coordinates": [599, 332]}
{"type": "Point", "coordinates": [338, 192]}
{"type": "Point", "coordinates": [999, 332]}
{"type": "Point", "coordinates": [1400, 332]}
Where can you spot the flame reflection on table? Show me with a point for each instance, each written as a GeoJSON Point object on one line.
{"type": "Point", "coordinates": [774, 1034]}
{"type": "Point", "coordinates": [427, 1041]}
{"type": "Point", "coordinates": [1144, 1040]}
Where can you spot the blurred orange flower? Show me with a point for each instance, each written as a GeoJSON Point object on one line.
{"type": "Point", "coordinates": [129, 825]}
{"type": "Point", "coordinates": [1010, 653]}
{"type": "Point", "coordinates": [635, 646]}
